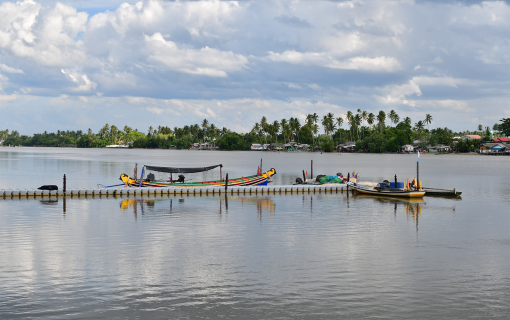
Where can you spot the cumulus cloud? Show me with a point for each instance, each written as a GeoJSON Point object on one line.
{"type": "Point", "coordinates": [326, 60]}
{"type": "Point", "coordinates": [8, 69]}
{"type": "Point", "coordinates": [206, 61]}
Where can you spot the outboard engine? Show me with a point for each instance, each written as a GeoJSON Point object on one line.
{"type": "Point", "coordinates": [150, 177]}
{"type": "Point", "coordinates": [299, 181]}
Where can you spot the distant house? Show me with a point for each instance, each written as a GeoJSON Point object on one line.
{"type": "Point", "coordinates": [407, 148]}
{"type": "Point", "coordinates": [277, 146]}
{"type": "Point", "coordinates": [346, 147]}
{"type": "Point", "coordinates": [500, 139]}
{"type": "Point", "coordinates": [439, 148]}
{"type": "Point", "coordinates": [471, 137]}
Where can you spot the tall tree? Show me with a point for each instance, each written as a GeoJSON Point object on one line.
{"type": "Point", "coordinates": [371, 119]}
{"type": "Point", "coordinates": [364, 117]}
{"type": "Point", "coordinates": [263, 127]}
{"type": "Point", "coordinates": [205, 126]}
{"type": "Point", "coordinates": [381, 117]}
{"type": "Point", "coordinates": [340, 121]}
{"type": "Point", "coordinates": [428, 120]}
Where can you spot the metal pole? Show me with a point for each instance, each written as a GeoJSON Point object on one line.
{"type": "Point", "coordinates": [311, 177]}
{"type": "Point", "coordinates": [260, 164]}
{"type": "Point", "coordinates": [64, 184]}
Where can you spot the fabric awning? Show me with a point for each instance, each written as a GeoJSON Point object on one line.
{"type": "Point", "coordinates": [181, 170]}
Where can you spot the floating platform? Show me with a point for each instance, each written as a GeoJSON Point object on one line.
{"type": "Point", "coordinates": [131, 191]}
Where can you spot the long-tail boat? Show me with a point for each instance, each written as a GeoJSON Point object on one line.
{"type": "Point", "coordinates": [259, 179]}
{"type": "Point", "coordinates": [386, 191]}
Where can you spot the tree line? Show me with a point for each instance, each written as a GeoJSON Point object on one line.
{"type": "Point", "coordinates": [369, 131]}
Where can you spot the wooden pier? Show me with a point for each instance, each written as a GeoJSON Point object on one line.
{"type": "Point", "coordinates": [130, 191]}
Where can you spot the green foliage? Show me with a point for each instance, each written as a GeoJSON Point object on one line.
{"type": "Point", "coordinates": [233, 141]}
{"type": "Point", "coordinates": [305, 135]}
{"type": "Point", "coordinates": [327, 146]}
{"type": "Point", "coordinates": [504, 127]}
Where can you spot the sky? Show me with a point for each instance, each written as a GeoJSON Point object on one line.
{"type": "Point", "coordinates": [74, 65]}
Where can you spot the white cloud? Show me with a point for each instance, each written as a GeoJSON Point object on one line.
{"type": "Point", "coordinates": [9, 69]}
{"type": "Point", "coordinates": [44, 35]}
{"type": "Point", "coordinates": [206, 61]}
{"type": "Point", "coordinates": [326, 60]}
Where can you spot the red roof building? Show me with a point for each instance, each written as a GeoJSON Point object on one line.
{"type": "Point", "coordinates": [471, 137]}
{"type": "Point", "coordinates": [500, 139]}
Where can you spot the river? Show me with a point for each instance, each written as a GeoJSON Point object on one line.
{"type": "Point", "coordinates": [294, 256]}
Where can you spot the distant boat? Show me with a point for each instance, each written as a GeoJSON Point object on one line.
{"type": "Point", "coordinates": [117, 146]}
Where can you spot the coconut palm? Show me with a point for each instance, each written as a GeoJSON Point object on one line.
{"type": "Point", "coordinates": [263, 127]}
{"type": "Point", "coordinates": [364, 116]}
{"type": "Point", "coordinates": [428, 120]}
{"type": "Point", "coordinates": [350, 119]}
{"type": "Point", "coordinates": [283, 122]}
{"type": "Point", "coordinates": [340, 121]}
{"type": "Point", "coordinates": [276, 129]}
{"type": "Point", "coordinates": [392, 115]}
{"type": "Point", "coordinates": [371, 119]}
{"type": "Point", "coordinates": [295, 126]}
{"type": "Point", "coordinates": [381, 117]}
{"type": "Point", "coordinates": [407, 121]}
{"type": "Point", "coordinates": [419, 126]}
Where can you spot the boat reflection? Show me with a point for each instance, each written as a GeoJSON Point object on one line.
{"type": "Point", "coordinates": [411, 207]}
{"type": "Point", "coordinates": [263, 204]}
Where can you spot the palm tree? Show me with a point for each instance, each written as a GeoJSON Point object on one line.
{"type": "Point", "coordinates": [256, 130]}
{"type": "Point", "coordinates": [263, 127]}
{"type": "Point", "coordinates": [350, 119]}
{"type": "Point", "coordinates": [371, 119]}
{"type": "Point", "coordinates": [276, 129]}
{"type": "Point", "coordinates": [357, 123]}
{"type": "Point", "coordinates": [364, 116]}
{"type": "Point", "coordinates": [407, 121]}
{"type": "Point", "coordinates": [340, 121]}
{"type": "Point", "coordinates": [419, 126]}
{"type": "Point", "coordinates": [392, 115]}
{"type": "Point", "coordinates": [205, 126]}
{"type": "Point", "coordinates": [480, 127]}
{"type": "Point", "coordinates": [396, 119]}
{"type": "Point", "coordinates": [283, 123]}
{"type": "Point", "coordinates": [428, 120]}
{"type": "Point", "coordinates": [381, 117]}
{"type": "Point", "coordinates": [295, 126]}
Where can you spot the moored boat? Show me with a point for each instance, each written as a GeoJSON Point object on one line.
{"type": "Point", "coordinates": [150, 181]}
{"type": "Point", "coordinates": [386, 191]}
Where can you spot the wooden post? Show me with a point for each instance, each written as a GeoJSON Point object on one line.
{"type": "Point", "coordinates": [311, 171]}
{"type": "Point", "coordinates": [221, 173]}
{"type": "Point", "coordinates": [136, 170]}
{"type": "Point", "coordinates": [260, 164]}
{"type": "Point", "coordinates": [348, 178]}
{"type": "Point", "coordinates": [226, 183]}
{"type": "Point", "coordinates": [304, 177]}
{"type": "Point", "coordinates": [64, 184]}
{"type": "Point", "coordinates": [418, 171]}
{"type": "Point", "coordinates": [396, 181]}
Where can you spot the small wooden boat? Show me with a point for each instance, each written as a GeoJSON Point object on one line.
{"type": "Point", "coordinates": [441, 192]}
{"type": "Point", "coordinates": [389, 192]}
{"type": "Point", "coordinates": [150, 181]}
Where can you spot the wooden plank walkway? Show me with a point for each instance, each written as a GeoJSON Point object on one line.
{"type": "Point", "coordinates": [34, 193]}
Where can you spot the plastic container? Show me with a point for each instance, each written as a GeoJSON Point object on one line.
{"type": "Point", "coordinates": [399, 184]}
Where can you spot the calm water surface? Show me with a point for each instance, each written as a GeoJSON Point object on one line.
{"type": "Point", "coordinates": [320, 256]}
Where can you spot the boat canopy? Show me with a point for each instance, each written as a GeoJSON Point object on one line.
{"type": "Point", "coordinates": [181, 170]}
